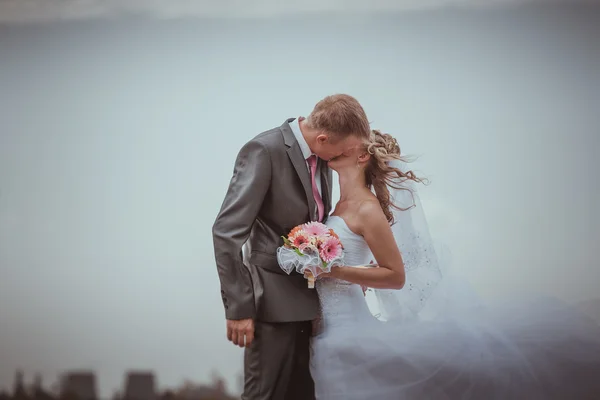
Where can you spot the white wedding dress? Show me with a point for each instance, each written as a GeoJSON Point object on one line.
{"type": "Point", "coordinates": [536, 350]}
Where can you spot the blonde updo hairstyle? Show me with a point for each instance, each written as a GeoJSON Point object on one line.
{"type": "Point", "coordinates": [380, 176]}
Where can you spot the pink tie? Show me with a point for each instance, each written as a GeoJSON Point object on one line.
{"type": "Point", "coordinates": [312, 163]}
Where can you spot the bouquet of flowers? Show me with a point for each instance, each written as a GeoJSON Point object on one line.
{"type": "Point", "coordinates": [311, 249]}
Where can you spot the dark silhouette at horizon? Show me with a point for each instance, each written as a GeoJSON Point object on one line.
{"type": "Point", "coordinates": [138, 385]}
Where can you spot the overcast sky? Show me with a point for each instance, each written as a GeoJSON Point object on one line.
{"type": "Point", "coordinates": [118, 138]}
{"type": "Point", "coordinates": [60, 10]}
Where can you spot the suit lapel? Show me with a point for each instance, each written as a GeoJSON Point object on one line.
{"type": "Point", "coordinates": [299, 163]}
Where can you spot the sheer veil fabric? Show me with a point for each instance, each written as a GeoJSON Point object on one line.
{"type": "Point", "coordinates": [436, 339]}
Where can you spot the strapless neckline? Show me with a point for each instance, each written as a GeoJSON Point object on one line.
{"type": "Point", "coordinates": [344, 223]}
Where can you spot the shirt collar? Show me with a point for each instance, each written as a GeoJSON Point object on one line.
{"type": "Point", "coordinates": [295, 126]}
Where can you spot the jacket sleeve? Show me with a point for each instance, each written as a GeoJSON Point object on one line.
{"type": "Point", "coordinates": [243, 201]}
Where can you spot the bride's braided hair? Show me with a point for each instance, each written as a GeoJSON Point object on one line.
{"type": "Point", "coordinates": [380, 175]}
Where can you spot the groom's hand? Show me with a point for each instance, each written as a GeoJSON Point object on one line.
{"type": "Point", "coordinates": [240, 332]}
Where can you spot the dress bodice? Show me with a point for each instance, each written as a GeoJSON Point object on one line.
{"type": "Point", "coordinates": [343, 302]}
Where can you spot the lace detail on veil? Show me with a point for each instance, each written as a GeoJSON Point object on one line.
{"type": "Point", "coordinates": [421, 263]}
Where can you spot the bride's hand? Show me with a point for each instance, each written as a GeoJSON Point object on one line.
{"type": "Point", "coordinates": [365, 288]}
{"type": "Point", "coordinates": [321, 275]}
{"type": "Point", "coordinates": [308, 274]}
{"type": "Point", "coordinates": [334, 273]}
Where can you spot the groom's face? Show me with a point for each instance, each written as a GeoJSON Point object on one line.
{"type": "Point", "coordinates": [329, 147]}
{"type": "Point", "coordinates": [350, 159]}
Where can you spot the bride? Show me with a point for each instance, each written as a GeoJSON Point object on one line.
{"type": "Point", "coordinates": [437, 341]}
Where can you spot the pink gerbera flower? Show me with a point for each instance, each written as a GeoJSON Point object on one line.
{"type": "Point", "coordinates": [300, 239]}
{"type": "Point", "coordinates": [304, 246]}
{"type": "Point", "coordinates": [315, 229]}
{"type": "Point", "coordinates": [331, 248]}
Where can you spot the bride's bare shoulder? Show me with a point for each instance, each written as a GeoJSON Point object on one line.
{"type": "Point", "coordinates": [369, 213]}
{"type": "Point", "coordinates": [360, 214]}
{"type": "Point", "coordinates": [370, 208]}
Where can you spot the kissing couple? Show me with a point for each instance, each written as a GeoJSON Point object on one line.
{"type": "Point", "coordinates": [324, 343]}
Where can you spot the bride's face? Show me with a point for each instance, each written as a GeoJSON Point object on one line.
{"type": "Point", "coordinates": [352, 158]}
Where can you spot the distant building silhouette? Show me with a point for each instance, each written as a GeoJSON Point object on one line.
{"type": "Point", "coordinates": [192, 391]}
{"type": "Point", "coordinates": [81, 385]}
{"type": "Point", "coordinates": [37, 382]}
{"type": "Point", "coordinates": [37, 390]}
{"type": "Point", "coordinates": [19, 391]}
{"type": "Point", "coordinates": [139, 386]}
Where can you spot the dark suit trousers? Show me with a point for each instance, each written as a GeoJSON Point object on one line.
{"type": "Point", "coordinates": [276, 365]}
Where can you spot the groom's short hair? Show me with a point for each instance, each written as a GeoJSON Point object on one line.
{"type": "Point", "coordinates": [340, 115]}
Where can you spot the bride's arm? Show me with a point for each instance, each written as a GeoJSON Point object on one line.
{"type": "Point", "coordinates": [379, 237]}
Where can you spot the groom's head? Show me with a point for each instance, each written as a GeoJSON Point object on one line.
{"type": "Point", "coordinates": [336, 125]}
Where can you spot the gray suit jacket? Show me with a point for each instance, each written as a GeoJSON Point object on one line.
{"type": "Point", "coordinates": [269, 194]}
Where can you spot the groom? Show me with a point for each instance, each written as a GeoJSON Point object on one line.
{"type": "Point", "coordinates": [280, 180]}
